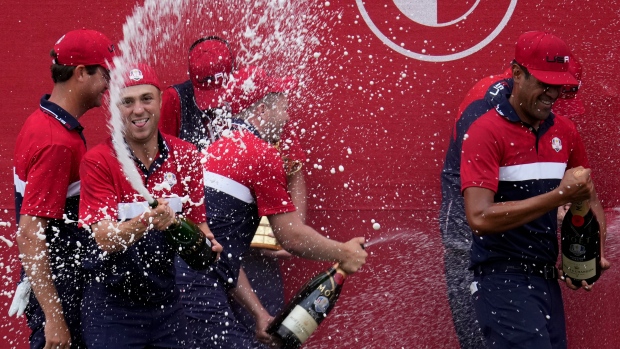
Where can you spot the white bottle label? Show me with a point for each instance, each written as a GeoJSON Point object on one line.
{"type": "Point", "coordinates": [579, 270]}
{"type": "Point", "coordinates": [300, 323]}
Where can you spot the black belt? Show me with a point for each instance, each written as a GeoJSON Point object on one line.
{"type": "Point", "coordinates": [545, 271]}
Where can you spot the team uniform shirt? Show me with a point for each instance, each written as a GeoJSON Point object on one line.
{"type": "Point", "coordinates": [244, 180]}
{"type": "Point", "coordinates": [181, 116]}
{"type": "Point", "coordinates": [143, 273]}
{"type": "Point", "coordinates": [48, 152]}
{"type": "Point", "coordinates": [516, 162]}
{"type": "Point", "coordinates": [455, 231]}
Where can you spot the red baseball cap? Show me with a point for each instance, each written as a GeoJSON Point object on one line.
{"type": "Point", "coordinates": [210, 63]}
{"type": "Point", "coordinates": [546, 57]}
{"type": "Point", "coordinates": [248, 85]}
{"type": "Point", "coordinates": [84, 47]}
{"type": "Point", "coordinates": [141, 74]}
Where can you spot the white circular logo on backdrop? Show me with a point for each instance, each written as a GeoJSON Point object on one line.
{"type": "Point", "coordinates": [436, 30]}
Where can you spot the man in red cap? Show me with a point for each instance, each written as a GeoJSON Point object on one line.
{"type": "Point", "coordinates": [48, 152]}
{"type": "Point", "coordinates": [518, 165]}
{"type": "Point", "coordinates": [456, 236]}
{"type": "Point", "coordinates": [195, 111]}
{"type": "Point", "coordinates": [189, 108]}
{"type": "Point", "coordinates": [244, 180]}
{"type": "Point", "coordinates": [131, 300]}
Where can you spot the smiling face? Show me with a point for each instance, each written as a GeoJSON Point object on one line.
{"type": "Point", "coordinates": [140, 107]}
{"type": "Point", "coordinates": [532, 99]}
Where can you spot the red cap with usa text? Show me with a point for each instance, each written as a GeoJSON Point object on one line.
{"type": "Point", "coordinates": [546, 57]}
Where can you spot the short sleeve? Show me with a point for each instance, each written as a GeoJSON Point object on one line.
{"type": "Point", "coordinates": [99, 198]}
{"type": "Point", "coordinates": [270, 184]}
{"type": "Point", "coordinates": [47, 182]}
{"type": "Point", "coordinates": [480, 159]}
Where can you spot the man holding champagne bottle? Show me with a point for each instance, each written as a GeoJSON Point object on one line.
{"type": "Point", "coordinates": [517, 167]}
{"type": "Point", "coordinates": [132, 299]}
{"type": "Point", "coordinates": [245, 179]}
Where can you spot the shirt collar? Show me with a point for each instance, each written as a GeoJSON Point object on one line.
{"type": "Point", "coordinates": [163, 152]}
{"type": "Point", "coordinates": [55, 111]}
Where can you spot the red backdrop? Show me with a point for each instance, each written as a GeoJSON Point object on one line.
{"type": "Point", "coordinates": [380, 100]}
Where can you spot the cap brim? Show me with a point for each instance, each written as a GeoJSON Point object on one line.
{"type": "Point", "coordinates": [209, 98]}
{"type": "Point", "coordinates": [553, 77]}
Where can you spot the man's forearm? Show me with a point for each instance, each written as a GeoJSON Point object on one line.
{"type": "Point", "coordinates": [118, 236]}
{"type": "Point", "coordinates": [35, 260]}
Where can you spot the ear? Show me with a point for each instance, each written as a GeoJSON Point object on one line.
{"type": "Point", "coordinates": [80, 73]}
{"type": "Point", "coordinates": [517, 73]}
{"type": "Point", "coordinates": [260, 109]}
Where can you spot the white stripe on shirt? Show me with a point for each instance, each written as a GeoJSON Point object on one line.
{"type": "Point", "coordinates": [537, 170]}
{"type": "Point", "coordinates": [228, 186]}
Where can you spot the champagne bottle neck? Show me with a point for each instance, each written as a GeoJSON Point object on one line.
{"type": "Point", "coordinates": [580, 208]}
{"type": "Point", "coordinates": [339, 275]}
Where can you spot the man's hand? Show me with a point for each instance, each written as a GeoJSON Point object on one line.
{"type": "Point", "coordinates": [576, 185]}
{"type": "Point", "coordinates": [353, 255]}
{"type": "Point", "coordinates": [215, 246]}
{"type": "Point", "coordinates": [57, 333]}
{"type": "Point", "coordinates": [262, 322]}
{"type": "Point", "coordinates": [605, 264]}
{"type": "Point", "coordinates": [161, 217]}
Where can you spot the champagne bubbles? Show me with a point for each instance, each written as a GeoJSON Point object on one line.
{"type": "Point", "coordinates": [376, 226]}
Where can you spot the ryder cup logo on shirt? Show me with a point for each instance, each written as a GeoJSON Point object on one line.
{"type": "Point", "coordinates": [136, 75]}
{"type": "Point", "coordinates": [556, 144]}
{"type": "Point", "coordinates": [171, 178]}
{"type": "Point", "coordinates": [435, 30]}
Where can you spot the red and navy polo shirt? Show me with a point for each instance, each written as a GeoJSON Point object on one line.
{"type": "Point", "coordinates": [48, 152]}
{"type": "Point", "coordinates": [517, 162]}
{"type": "Point", "coordinates": [244, 180]}
{"type": "Point", "coordinates": [148, 264]}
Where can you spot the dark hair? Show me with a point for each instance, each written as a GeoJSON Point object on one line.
{"type": "Point", "coordinates": [216, 38]}
{"type": "Point", "coordinates": [62, 73]}
{"type": "Point", "coordinates": [524, 69]}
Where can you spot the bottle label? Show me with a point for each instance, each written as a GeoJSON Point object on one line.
{"type": "Point", "coordinates": [300, 323]}
{"type": "Point", "coordinates": [579, 270]}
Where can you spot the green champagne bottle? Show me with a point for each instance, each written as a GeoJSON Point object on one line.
{"type": "Point", "coordinates": [305, 312]}
{"type": "Point", "coordinates": [189, 242]}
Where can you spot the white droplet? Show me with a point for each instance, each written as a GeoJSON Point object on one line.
{"type": "Point", "coordinates": [317, 54]}
{"type": "Point", "coordinates": [376, 226]}
{"type": "Point", "coordinates": [341, 168]}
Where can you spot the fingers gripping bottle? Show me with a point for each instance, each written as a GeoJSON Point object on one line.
{"type": "Point", "coordinates": [190, 243]}
{"type": "Point", "coordinates": [305, 312]}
